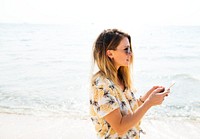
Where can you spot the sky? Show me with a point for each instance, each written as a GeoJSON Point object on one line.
{"type": "Point", "coordinates": [132, 12]}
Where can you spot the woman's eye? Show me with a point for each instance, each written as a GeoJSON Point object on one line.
{"type": "Point", "coordinates": [127, 50]}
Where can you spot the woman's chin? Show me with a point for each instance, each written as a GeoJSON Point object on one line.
{"type": "Point", "coordinates": [127, 64]}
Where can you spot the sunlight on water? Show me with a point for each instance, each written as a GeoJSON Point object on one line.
{"type": "Point", "coordinates": [45, 69]}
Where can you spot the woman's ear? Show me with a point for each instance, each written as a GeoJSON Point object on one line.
{"type": "Point", "coordinates": [109, 53]}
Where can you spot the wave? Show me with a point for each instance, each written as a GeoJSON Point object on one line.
{"type": "Point", "coordinates": [184, 111]}
{"type": "Point", "coordinates": [44, 112]}
{"type": "Point", "coordinates": [184, 76]}
{"type": "Point", "coordinates": [25, 40]}
{"type": "Point", "coordinates": [181, 57]}
{"type": "Point", "coordinates": [42, 106]}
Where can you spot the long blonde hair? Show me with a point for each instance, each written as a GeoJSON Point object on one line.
{"type": "Point", "coordinates": [109, 40]}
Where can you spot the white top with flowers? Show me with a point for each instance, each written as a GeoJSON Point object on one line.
{"type": "Point", "coordinates": [105, 97]}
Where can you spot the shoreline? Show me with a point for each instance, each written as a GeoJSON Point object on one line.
{"type": "Point", "coordinates": [37, 127]}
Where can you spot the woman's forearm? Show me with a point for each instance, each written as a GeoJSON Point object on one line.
{"type": "Point", "coordinates": [131, 120]}
{"type": "Point", "coordinates": [121, 124]}
{"type": "Point", "coordinates": [154, 98]}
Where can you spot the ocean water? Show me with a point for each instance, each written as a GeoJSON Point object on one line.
{"type": "Point", "coordinates": [44, 69]}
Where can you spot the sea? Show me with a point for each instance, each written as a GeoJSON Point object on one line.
{"type": "Point", "coordinates": [45, 68]}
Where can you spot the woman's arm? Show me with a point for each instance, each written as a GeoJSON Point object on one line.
{"type": "Point", "coordinates": [121, 124]}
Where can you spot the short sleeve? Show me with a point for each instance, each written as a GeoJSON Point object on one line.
{"type": "Point", "coordinates": [104, 99]}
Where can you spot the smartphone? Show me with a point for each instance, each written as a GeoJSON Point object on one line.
{"type": "Point", "coordinates": [172, 84]}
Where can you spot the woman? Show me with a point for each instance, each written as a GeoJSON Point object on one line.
{"type": "Point", "coordinates": [114, 110]}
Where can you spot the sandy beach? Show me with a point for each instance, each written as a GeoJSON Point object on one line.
{"type": "Point", "coordinates": [170, 129]}
{"type": "Point", "coordinates": [34, 127]}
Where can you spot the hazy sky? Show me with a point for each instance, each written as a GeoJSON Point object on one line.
{"type": "Point", "coordinates": [136, 12]}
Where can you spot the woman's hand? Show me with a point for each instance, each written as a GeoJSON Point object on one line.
{"type": "Point", "coordinates": [147, 94]}
{"type": "Point", "coordinates": [153, 88]}
{"type": "Point", "coordinates": [157, 96]}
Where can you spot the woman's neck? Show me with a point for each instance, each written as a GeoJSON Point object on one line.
{"type": "Point", "coordinates": [120, 84]}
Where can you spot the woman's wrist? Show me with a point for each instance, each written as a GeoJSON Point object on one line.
{"type": "Point", "coordinates": [141, 100]}
{"type": "Point", "coordinates": [147, 104]}
{"type": "Point", "coordinates": [144, 101]}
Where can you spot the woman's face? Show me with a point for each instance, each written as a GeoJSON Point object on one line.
{"type": "Point", "coordinates": [122, 55]}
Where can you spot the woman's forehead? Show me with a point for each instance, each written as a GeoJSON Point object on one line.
{"type": "Point", "coordinates": [124, 43]}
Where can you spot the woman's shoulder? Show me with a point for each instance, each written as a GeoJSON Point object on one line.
{"type": "Point", "coordinates": [100, 80]}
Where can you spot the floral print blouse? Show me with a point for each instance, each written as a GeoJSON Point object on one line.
{"type": "Point", "coordinates": [105, 97]}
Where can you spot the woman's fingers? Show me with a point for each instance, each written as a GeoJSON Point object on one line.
{"type": "Point", "coordinates": [158, 90]}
